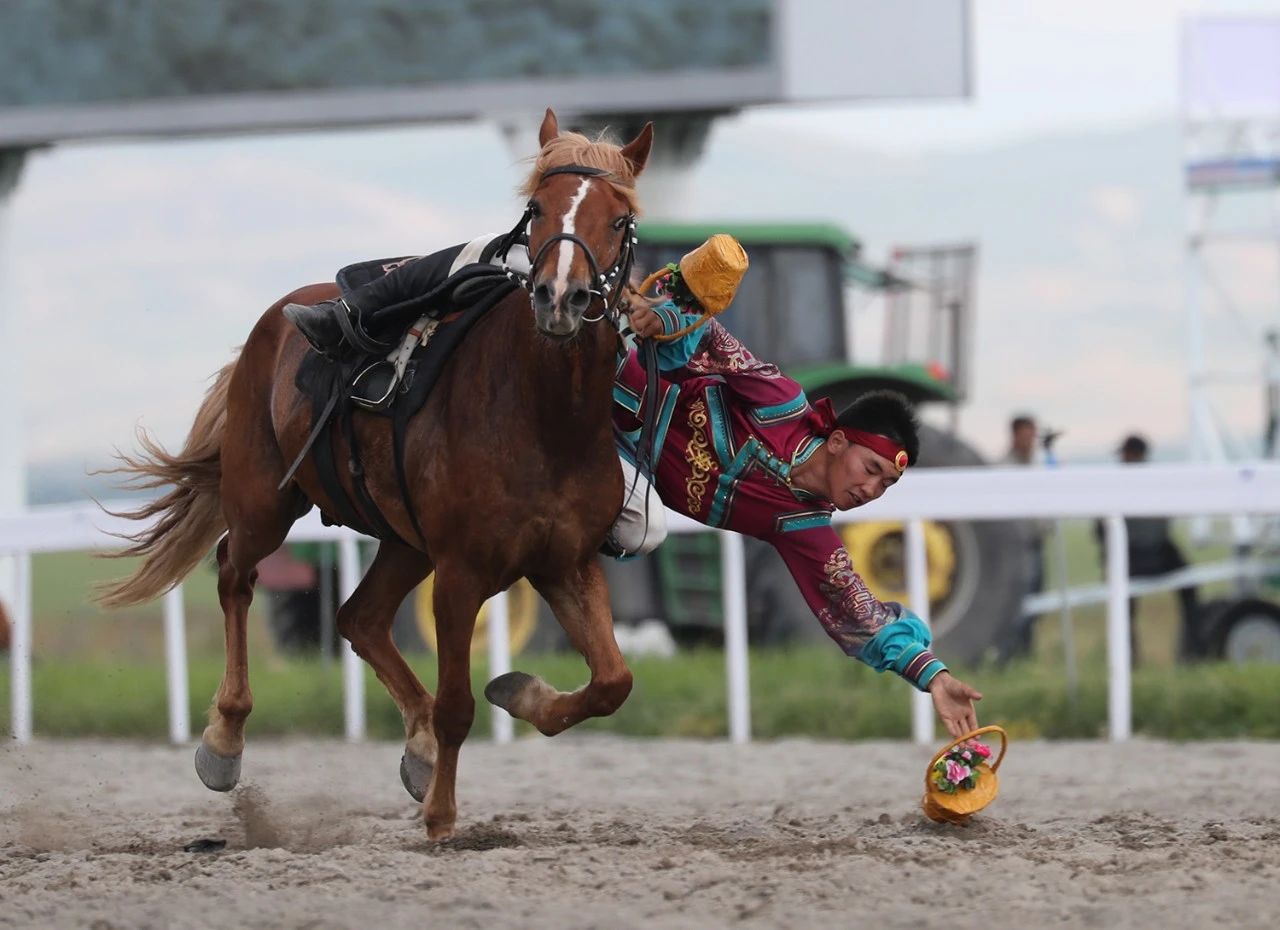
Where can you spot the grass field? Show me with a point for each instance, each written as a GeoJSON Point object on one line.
{"type": "Point", "coordinates": [99, 673]}
{"type": "Point", "coordinates": [807, 692]}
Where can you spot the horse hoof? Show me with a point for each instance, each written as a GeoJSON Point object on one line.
{"type": "Point", "coordinates": [219, 773]}
{"type": "Point", "coordinates": [415, 773]}
{"type": "Point", "coordinates": [504, 688]}
{"type": "Point", "coordinates": [441, 833]}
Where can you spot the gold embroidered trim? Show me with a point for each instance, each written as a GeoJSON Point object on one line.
{"type": "Point", "coordinates": [698, 454]}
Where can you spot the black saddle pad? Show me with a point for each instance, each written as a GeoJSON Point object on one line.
{"type": "Point", "coordinates": [358, 275]}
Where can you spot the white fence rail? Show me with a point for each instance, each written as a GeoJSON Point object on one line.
{"type": "Point", "coordinates": [1110, 492]}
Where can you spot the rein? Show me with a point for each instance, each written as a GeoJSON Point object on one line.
{"type": "Point", "coordinates": [610, 284]}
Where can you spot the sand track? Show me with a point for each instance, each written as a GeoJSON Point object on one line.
{"type": "Point", "coordinates": [589, 831]}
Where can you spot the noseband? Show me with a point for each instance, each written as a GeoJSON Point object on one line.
{"type": "Point", "coordinates": [609, 284]}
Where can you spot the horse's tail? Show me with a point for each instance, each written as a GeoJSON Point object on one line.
{"type": "Point", "coordinates": [190, 513]}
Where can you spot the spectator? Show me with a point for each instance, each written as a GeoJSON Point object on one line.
{"type": "Point", "coordinates": [1016, 640]}
{"type": "Point", "coordinates": [1022, 441]}
{"type": "Point", "coordinates": [1152, 552]}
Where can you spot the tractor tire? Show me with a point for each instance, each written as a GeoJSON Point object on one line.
{"type": "Point", "coordinates": [1243, 631]}
{"type": "Point", "coordinates": [990, 577]}
{"type": "Point", "coordinates": [523, 606]}
{"type": "Point", "coordinates": [989, 580]}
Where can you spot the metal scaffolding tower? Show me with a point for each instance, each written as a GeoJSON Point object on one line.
{"type": "Point", "coordinates": [1231, 137]}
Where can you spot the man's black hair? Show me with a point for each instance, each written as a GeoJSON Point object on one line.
{"type": "Point", "coordinates": [1021, 420]}
{"type": "Point", "coordinates": [885, 413]}
{"type": "Point", "coordinates": [1134, 445]}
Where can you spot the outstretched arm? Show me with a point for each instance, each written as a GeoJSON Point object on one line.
{"type": "Point", "coordinates": [882, 634]}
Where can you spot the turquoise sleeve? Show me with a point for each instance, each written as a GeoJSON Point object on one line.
{"type": "Point", "coordinates": [676, 354]}
{"type": "Point", "coordinates": [903, 647]}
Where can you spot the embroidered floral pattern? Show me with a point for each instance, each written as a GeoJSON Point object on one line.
{"type": "Point", "coordinates": [855, 615]}
{"type": "Point", "coordinates": [697, 452]}
{"type": "Point", "coordinates": [720, 352]}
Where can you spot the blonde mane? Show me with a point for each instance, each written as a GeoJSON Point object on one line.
{"type": "Point", "coordinates": [573, 148]}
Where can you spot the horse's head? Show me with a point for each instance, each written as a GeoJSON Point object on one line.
{"type": "Point", "coordinates": [582, 209]}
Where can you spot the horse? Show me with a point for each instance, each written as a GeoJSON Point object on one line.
{"type": "Point", "coordinates": [511, 467]}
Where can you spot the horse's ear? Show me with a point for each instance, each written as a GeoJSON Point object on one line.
{"type": "Point", "coordinates": [550, 128]}
{"type": "Point", "coordinates": [636, 152]}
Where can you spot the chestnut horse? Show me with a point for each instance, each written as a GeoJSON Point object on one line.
{"type": "Point", "coordinates": [511, 467]}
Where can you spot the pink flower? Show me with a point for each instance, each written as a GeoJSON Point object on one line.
{"type": "Point", "coordinates": [980, 749]}
{"type": "Point", "coordinates": [965, 755]}
{"type": "Point", "coordinates": [956, 772]}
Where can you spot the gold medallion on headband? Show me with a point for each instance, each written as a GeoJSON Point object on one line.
{"type": "Point", "coordinates": [900, 461]}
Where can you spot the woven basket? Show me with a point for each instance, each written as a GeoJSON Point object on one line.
{"type": "Point", "coordinates": [964, 803]}
{"type": "Point", "coordinates": [712, 273]}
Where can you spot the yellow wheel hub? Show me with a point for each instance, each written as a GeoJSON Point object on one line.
{"type": "Point", "coordinates": [522, 617]}
{"type": "Point", "coordinates": [877, 552]}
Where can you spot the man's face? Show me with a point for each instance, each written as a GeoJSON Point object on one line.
{"type": "Point", "coordinates": [856, 475]}
{"type": "Point", "coordinates": [1024, 438]}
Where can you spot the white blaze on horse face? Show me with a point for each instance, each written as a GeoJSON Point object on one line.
{"type": "Point", "coordinates": [565, 257]}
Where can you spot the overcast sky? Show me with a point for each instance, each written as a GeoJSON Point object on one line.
{"type": "Point", "coordinates": [134, 269]}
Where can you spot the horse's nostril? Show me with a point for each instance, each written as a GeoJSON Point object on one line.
{"type": "Point", "coordinates": [577, 299]}
{"type": "Point", "coordinates": [542, 297]}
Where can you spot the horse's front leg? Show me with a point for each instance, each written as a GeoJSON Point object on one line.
{"type": "Point", "coordinates": [581, 604]}
{"type": "Point", "coordinates": [365, 620]}
{"type": "Point", "coordinates": [457, 599]}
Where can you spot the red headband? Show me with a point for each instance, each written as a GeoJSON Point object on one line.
{"type": "Point", "coordinates": [824, 423]}
{"type": "Point", "coordinates": [880, 445]}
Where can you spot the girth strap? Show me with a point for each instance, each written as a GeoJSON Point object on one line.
{"type": "Point", "coordinates": [355, 467]}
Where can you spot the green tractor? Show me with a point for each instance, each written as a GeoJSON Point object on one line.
{"type": "Point", "coordinates": [808, 303]}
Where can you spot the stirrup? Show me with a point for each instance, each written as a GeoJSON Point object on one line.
{"type": "Point", "coordinates": [375, 387]}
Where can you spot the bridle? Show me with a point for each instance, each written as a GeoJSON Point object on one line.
{"type": "Point", "coordinates": [609, 284]}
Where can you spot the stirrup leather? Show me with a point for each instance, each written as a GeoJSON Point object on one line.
{"type": "Point", "coordinates": [353, 332]}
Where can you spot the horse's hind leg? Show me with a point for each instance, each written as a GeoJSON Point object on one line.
{"type": "Point", "coordinates": [246, 544]}
{"type": "Point", "coordinates": [365, 619]}
{"type": "Point", "coordinates": [258, 517]}
{"type": "Point", "coordinates": [458, 596]}
{"type": "Point", "coordinates": [581, 604]}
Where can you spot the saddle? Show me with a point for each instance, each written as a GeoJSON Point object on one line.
{"type": "Point", "coordinates": [395, 385]}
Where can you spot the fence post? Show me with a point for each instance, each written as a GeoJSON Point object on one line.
{"type": "Point", "coordinates": [733, 574]}
{"type": "Point", "coordinates": [500, 662]}
{"type": "Point", "coordinates": [1119, 661]}
{"type": "Point", "coordinates": [918, 592]}
{"type": "Point", "coordinates": [352, 669]}
{"type": "Point", "coordinates": [20, 651]}
{"type": "Point", "coordinates": [175, 666]}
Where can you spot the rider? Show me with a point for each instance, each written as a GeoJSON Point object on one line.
{"type": "Point", "coordinates": [389, 304]}
{"type": "Point", "coordinates": [737, 445]}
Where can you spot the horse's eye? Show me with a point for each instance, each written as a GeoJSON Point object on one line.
{"type": "Point", "coordinates": [620, 223]}
{"type": "Point", "coordinates": [535, 211]}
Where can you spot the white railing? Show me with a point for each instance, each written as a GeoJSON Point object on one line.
{"type": "Point", "coordinates": [1109, 492]}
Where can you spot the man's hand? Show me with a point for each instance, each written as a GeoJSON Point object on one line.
{"type": "Point", "coordinates": [953, 700]}
{"type": "Point", "coordinates": [644, 322]}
